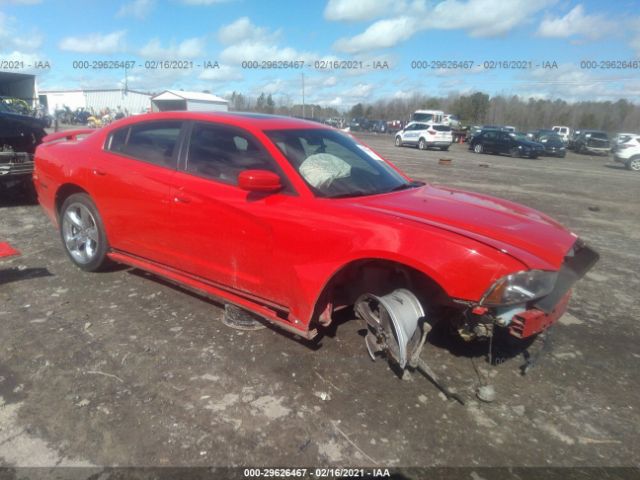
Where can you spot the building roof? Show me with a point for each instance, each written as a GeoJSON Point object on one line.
{"type": "Point", "coordinates": [182, 95]}
{"type": "Point", "coordinates": [81, 90]}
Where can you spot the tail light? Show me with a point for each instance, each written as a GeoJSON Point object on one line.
{"type": "Point", "coordinates": [431, 132]}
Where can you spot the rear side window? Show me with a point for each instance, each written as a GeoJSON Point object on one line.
{"type": "Point", "coordinates": [153, 142]}
{"type": "Point", "coordinates": [441, 128]}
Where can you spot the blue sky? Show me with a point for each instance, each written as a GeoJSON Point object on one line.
{"type": "Point", "coordinates": [393, 31]}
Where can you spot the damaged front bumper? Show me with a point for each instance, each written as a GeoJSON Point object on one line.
{"type": "Point", "coordinates": [525, 320]}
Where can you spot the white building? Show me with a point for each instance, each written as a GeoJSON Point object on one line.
{"type": "Point", "coordinates": [191, 101]}
{"type": "Point", "coordinates": [97, 100]}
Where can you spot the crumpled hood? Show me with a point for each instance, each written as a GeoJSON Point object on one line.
{"type": "Point", "coordinates": [526, 234]}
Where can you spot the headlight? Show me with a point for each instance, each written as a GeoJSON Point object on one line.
{"type": "Point", "coordinates": [520, 287]}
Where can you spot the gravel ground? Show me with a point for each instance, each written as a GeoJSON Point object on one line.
{"type": "Point", "coordinates": [122, 368]}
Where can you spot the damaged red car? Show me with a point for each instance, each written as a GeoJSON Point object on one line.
{"type": "Point", "coordinates": [294, 221]}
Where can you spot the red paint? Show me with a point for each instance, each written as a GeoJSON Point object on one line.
{"type": "Point", "coordinates": [277, 250]}
{"type": "Point", "coordinates": [534, 321]}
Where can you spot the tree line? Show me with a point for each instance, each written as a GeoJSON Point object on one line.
{"type": "Point", "coordinates": [474, 109]}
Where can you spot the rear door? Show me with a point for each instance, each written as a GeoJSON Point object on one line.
{"type": "Point", "coordinates": [131, 181]}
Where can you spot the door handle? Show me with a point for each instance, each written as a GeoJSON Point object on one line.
{"type": "Point", "coordinates": [99, 173]}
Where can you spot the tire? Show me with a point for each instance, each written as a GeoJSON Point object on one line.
{"type": "Point", "coordinates": [634, 164]}
{"type": "Point", "coordinates": [82, 233]}
{"type": "Point", "coordinates": [398, 142]}
{"type": "Point", "coordinates": [444, 149]}
{"type": "Point", "coordinates": [514, 152]}
{"type": "Point", "coordinates": [478, 148]}
{"type": "Point", "coordinates": [422, 145]}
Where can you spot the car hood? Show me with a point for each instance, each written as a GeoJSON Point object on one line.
{"type": "Point", "coordinates": [526, 234]}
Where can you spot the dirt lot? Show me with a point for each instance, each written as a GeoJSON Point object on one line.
{"type": "Point", "coordinates": [121, 368]}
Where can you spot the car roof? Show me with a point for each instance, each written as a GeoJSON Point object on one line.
{"type": "Point", "coordinates": [258, 121]}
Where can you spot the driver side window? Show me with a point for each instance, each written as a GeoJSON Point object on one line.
{"type": "Point", "coordinates": [221, 153]}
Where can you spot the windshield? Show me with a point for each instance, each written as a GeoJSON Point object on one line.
{"type": "Point", "coordinates": [422, 117]}
{"type": "Point", "coordinates": [335, 165]}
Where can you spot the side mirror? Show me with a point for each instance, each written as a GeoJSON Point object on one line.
{"type": "Point", "coordinates": [259, 181]}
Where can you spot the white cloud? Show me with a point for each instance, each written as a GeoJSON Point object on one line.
{"type": "Point", "coordinates": [248, 42]}
{"type": "Point", "coordinates": [252, 51]}
{"type": "Point", "coordinates": [361, 90]}
{"type": "Point", "coordinates": [382, 34]}
{"type": "Point", "coordinates": [571, 83]}
{"type": "Point", "coordinates": [243, 30]}
{"type": "Point", "coordinates": [483, 18]}
{"type": "Point", "coordinates": [189, 48]}
{"type": "Point", "coordinates": [138, 8]}
{"type": "Point", "coordinates": [480, 18]}
{"type": "Point", "coordinates": [95, 43]}
{"type": "Point", "coordinates": [330, 82]}
{"type": "Point", "coordinates": [575, 23]}
{"type": "Point", "coordinates": [222, 74]}
{"type": "Point", "coordinates": [358, 10]}
{"type": "Point", "coordinates": [14, 37]}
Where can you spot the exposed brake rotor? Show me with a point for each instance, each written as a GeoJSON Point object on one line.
{"type": "Point", "coordinates": [395, 324]}
{"type": "Point", "coordinates": [396, 328]}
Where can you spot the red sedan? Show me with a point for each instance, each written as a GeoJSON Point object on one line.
{"type": "Point", "coordinates": [293, 221]}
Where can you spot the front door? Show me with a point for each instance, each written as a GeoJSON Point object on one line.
{"type": "Point", "coordinates": [223, 233]}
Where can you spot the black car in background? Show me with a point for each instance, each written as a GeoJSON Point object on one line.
{"type": "Point", "coordinates": [500, 142]}
{"type": "Point", "coordinates": [19, 137]}
{"type": "Point", "coordinates": [592, 141]}
{"type": "Point", "coordinates": [552, 143]}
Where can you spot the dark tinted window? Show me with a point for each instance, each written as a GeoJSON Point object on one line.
{"type": "Point", "coordinates": [153, 142]}
{"type": "Point", "coordinates": [441, 128]}
{"type": "Point", "coordinates": [221, 153]}
{"type": "Point", "coordinates": [489, 135]}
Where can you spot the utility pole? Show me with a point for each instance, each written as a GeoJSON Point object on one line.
{"type": "Point", "coordinates": [303, 112]}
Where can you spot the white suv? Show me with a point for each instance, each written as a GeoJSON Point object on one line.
{"type": "Point", "coordinates": [629, 153]}
{"type": "Point", "coordinates": [425, 135]}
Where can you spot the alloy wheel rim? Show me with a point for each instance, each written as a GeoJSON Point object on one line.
{"type": "Point", "coordinates": [635, 164]}
{"type": "Point", "coordinates": [80, 233]}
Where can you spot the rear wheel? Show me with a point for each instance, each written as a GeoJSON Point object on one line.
{"type": "Point", "coordinates": [634, 164]}
{"type": "Point", "coordinates": [478, 148]}
{"type": "Point", "coordinates": [82, 233]}
{"type": "Point", "coordinates": [398, 141]}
